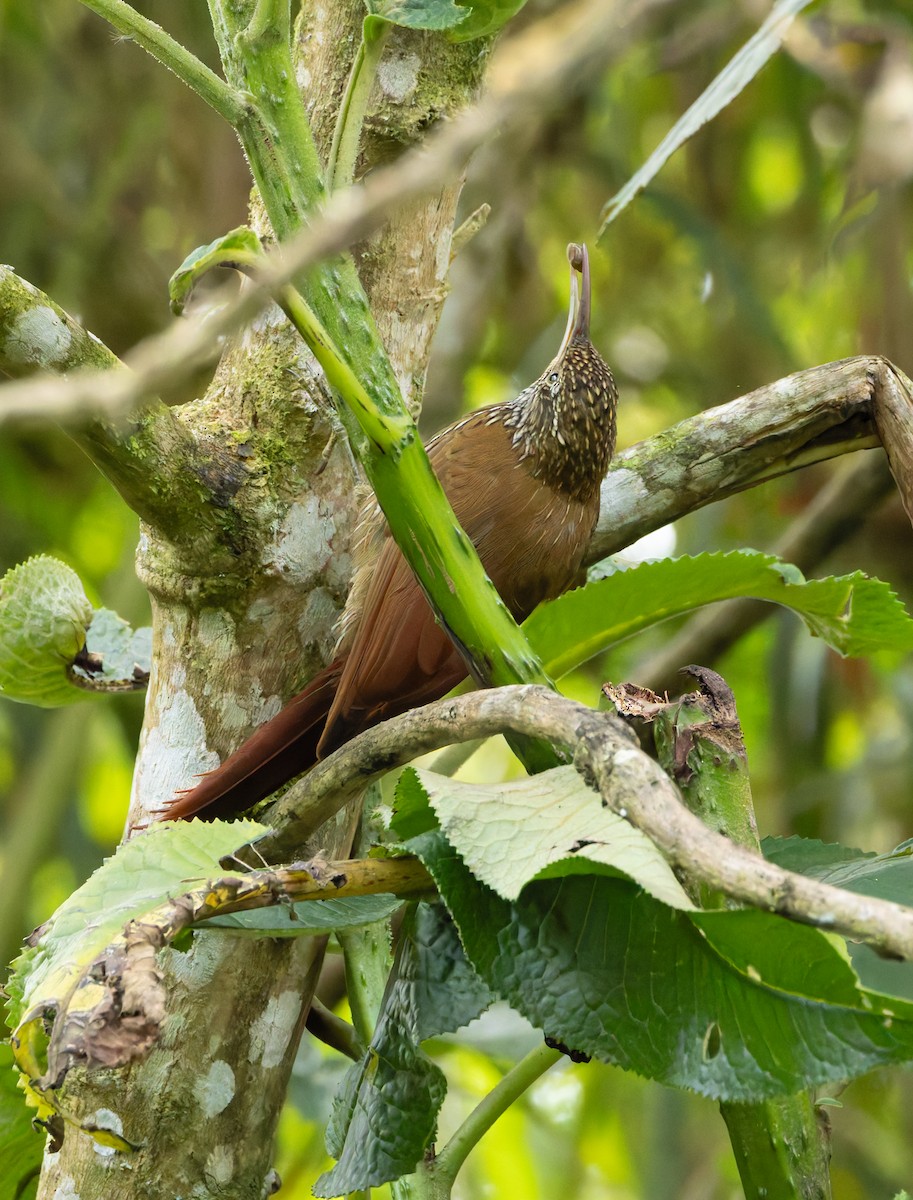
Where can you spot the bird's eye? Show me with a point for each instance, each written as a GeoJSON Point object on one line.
{"type": "Point", "coordinates": [553, 377]}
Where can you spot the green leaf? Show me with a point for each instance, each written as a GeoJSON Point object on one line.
{"type": "Point", "coordinates": [887, 876]}
{"type": "Point", "coordinates": [21, 1147]}
{"type": "Point", "coordinates": [510, 833]}
{"type": "Point", "coordinates": [55, 648]}
{"type": "Point", "coordinates": [735, 76]}
{"type": "Point", "coordinates": [385, 1115]}
{"type": "Point", "coordinates": [44, 614]}
{"type": "Point", "coordinates": [806, 856]}
{"type": "Point", "coordinates": [486, 17]}
{"type": "Point", "coordinates": [239, 247]}
{"type": "Point", "coordinates": [307, 917]}
{"type": "Point", "coordinates": [462, 21]}
{"type": "Point", "coordinates": [853, 613]}
{"type": "Point", "coordinates": [735, 1005]}
{"type": "Point", "coordinates": [144, 872]}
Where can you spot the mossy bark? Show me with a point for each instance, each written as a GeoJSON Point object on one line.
{"type": "Point", "coordinates": [269, 499]}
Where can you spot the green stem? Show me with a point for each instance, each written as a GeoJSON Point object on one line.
{"type": "Point", "coordinates": [333, 317]}
{"type": "Point", "coordinates": [171, 54]}
{"type": "Point", "coordinates": [483, 1116]}
{"type": "Point", "coordinates": [350, 119]}
{"type": "Point", "coordinates": [366, 951]}
{"type": "Point", "coordinates": [271, 20]}
{"type": "Point", "coordinates": [780, 1149]}
{"type": "Point", "coordinates": [428, 533]}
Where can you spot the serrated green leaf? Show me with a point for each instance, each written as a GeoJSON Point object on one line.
{"type": "Point", "coordinates": [462, 21]}
{"type": "Point", "coordinates": [238, 247]}
{"type": "Point", "coordinates": [738, 1006]}
{"type": "Point", "coordinates": [144, 872]}
{"type": "Point", "coordinates": [44, 614]}
{"type": "Point", "coordinates": [385, 1115]}
{"type": "Point", "coordinates": [307, 917]}
{"type": "Point", "coordinates": [508, 834]}
{"type": "Point", "coordinates": [21, 1147]}
{"type": "Point", "coordinates": [853, 613]}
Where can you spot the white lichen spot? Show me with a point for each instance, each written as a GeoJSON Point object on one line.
{"type": "Point", "coordinates": [398, 76]}
{"type": "Point", "coordinates": [39, 337]}
{"type": "Point", "coordinates": [220, 1165]}
{"type": "Point", "coordinates": [170, 754]}
{"type": "Point", "coordinates": [217, 1088]}
{"type": "Point", "coordinates": [302, 77]}
{"type": "Point", "coordinates": [318, 619]}
{"type": "Point", "coordinates": [216, 629]}
{"type": "Point", "coordinates": [66, 1189]}
{"type": "Point", "coordinates": [104, 1118]}
{"type": "Point", "coordinates": [260, 610]}
{"type": "Point", "coordinates": [201, 964]}
{"type": "Point", "coordinates": [302, 542]}
{"type": "Point", "coordinates": [272, 1031]}
{"type": "Point", "coordinates": [622, 490]}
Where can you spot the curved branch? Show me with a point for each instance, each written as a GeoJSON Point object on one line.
{"type": "Point", "coordinates": [631, 784]}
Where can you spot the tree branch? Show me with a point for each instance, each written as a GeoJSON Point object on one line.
{"type": "Point", "coordinates": [631, 784]}
{"type": "Point", "coordinates": [839, 509]}
{"type": "Point", "coordinates": [150, 458]}
{"type": "Point", "coordinates": [805, 418]}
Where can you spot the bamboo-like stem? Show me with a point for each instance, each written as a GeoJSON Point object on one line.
{"type": "Point", "coordinates": [437, 549]}
{"type": "Point", "coordinates": [779, 1146]}
{"type": "Point", "coordinates": [227, 102]}
{"type": "Point", "coordinates": [334, 322]}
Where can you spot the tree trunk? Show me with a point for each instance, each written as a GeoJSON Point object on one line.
{"type": "Point", "coordinates": [246, 584]}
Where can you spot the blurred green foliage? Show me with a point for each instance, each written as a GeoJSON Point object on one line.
{"type": "Point", "coordinates": [779, 238]}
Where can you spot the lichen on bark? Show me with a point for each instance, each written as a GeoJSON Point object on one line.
{"type": "Point", "coordinates": [246, 584]}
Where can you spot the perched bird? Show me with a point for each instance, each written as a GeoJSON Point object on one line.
{"type": "Point", "coordinates": [523, 479]}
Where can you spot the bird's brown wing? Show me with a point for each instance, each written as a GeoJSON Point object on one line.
{"type": "Point", "coordinates": [530, 541]}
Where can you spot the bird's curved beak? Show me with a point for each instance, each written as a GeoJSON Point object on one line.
{"type": "Point", "coordinates": [578, 317]}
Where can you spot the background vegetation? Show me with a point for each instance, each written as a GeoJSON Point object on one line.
{"type": "Point", "coordinates": [779, 238]}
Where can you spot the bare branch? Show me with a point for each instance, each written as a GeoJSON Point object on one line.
{"type": "Point", "coordinates": [805, 418]}
{"type": "Point", "coordinates": [631, 784]}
